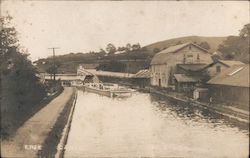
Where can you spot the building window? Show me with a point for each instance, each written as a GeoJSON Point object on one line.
{"type": "Point", "coordinates": [218, 69]}
{"type": "Point", "coordinates": [190, 47]}
{"type": "Point", "coordinates": [189, 58]}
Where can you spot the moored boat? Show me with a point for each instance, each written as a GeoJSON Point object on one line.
{"type": "Point", "coordinates": [108, 89]}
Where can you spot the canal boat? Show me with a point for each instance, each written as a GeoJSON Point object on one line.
{"type": "Point", "coordinates": [108, 89]}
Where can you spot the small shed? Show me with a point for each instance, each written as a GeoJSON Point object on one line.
{"type": "Point", "coordinates": [200, 93]}
{"type": "Point", "coordinates": [185, 83]}
{"type": "Point", "coordinates": [142, 78]}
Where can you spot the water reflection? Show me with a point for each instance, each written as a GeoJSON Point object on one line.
{"type": "Point", "coordinates": [196, 114]}
{"type": "Point", "coordinates": [149, 125]}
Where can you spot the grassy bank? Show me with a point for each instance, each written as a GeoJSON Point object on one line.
{"type": "Point", "coordinates": [12, 120]}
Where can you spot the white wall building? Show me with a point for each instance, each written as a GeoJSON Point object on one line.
{"type": "Point", "coordinates": [163, 64]}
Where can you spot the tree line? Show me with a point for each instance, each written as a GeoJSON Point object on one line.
{"type": "Point", "coordinates": [20, 88]}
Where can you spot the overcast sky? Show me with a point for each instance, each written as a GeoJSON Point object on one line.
{"type": "Point", "coordinates": [81, 26]}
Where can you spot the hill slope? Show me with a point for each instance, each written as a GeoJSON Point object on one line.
{"type": "Point", "coordinates": [69, 62]}
{"type": "Point", "coordinates": [214, 42]}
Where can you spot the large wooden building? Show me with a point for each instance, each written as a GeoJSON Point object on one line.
{"type": "Point", "coordinates": [164, 64]}
{"type": "Point", "coordinates": [231, 86]}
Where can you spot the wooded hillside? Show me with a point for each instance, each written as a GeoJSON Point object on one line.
{"type": "Point", "coordinates": [123, 55]}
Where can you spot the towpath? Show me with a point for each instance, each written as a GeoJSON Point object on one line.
{"type": "Point", "coordinates": [29, 138]}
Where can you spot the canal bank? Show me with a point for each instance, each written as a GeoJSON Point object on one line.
{"type": "Point", "coordinates": [234, 115]}
{"type": "Point", "coordinates": [35, 136]}
{"type": "Point", "coordinates": [64, 136]}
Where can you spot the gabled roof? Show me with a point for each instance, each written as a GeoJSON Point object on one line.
{"type": "Point", "coordinates": [142, 74]}
{"type": "Point", "coordinates": [159, 58]}
{"type": "Point", "coordinates": [83, 72]}
{"type": "Point", "coordinates": [227, 63]}
{"type": "Point", "coordinates": [237, 75]}
{"type": "Point", "coordinates": [175, 48]}
{"type": "Point", "coordinates": [231, 62]}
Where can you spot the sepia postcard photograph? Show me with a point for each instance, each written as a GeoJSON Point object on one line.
{"type": "Point", "coordinates": [157, 79]}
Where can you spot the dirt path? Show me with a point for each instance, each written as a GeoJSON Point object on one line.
{"type": "Point", "coordinates": [30, 137]}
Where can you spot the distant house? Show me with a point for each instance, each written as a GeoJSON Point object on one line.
{"type": "Point", "coordinates": [120, 52]}
{"type": "Point", "coordinates": [231, 85]}
{"type": "Point", "coordinates": [220, 65]}
{"type": "Point", "coordinates": [165, 64]}
{"type": "Point", "coordinates": [141, 78]}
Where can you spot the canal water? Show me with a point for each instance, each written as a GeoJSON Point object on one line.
{"type": "Point", "coordinates": [149, 126]}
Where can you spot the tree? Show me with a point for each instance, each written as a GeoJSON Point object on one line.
{"type": "Point", "coordinates": [121, 48]}
{"type": "Point", "coordinates": [237, 47]}
{"type": "Point", "coordinates": [112, 65]}
{"type": "Point", "coordinates": [128, 47]}
{"type": "Point", "coordinates": [205, 45]}
{"type": "Point", "coordinates": [53, 67]}
{"type": "Point", "coordinates": [111, 49]}
{"type": "Point", "coordinates": [51, 70]}
{"type": "Point", "coordinates": [156, 50]}
{"type": "Point", "coordinates": [136, 47]}
{"type": "Point", "coordinates": [21, 88]}
{"type": "Point", "coordinates": [102, 52]}
{"type": "Point", "coordinates": [245, 32]}
{"type": "Point", "coordinates": [229, 47]}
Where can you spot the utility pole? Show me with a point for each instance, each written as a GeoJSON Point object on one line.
{"type": "Point", "coordinates": [54, 66]}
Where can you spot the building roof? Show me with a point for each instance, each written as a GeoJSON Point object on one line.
{"type": "Point", "coordinates": [84, 72]}
{"type": "Point", "coordinates": [231, 62]}
{"type": "Point", "coordinates": [185, 78]}
{"type": "Point", "coordinates": [237, 75]}
{"type": "Point", "coordinates": [120, 52]}
{"type": "Point", "coordinates": [227, 63]}
{"type": "Point", "coordinates": [110, 73]}
{"type": "Point", "coordinates": [161, 57]}
{"type": "Point", "coordinates": [191, 67]}
{"type": "Point", "coordinates": [142, 74]}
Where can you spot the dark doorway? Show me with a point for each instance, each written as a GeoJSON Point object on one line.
{"type": "Point", "coordinates": [159, 82]}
